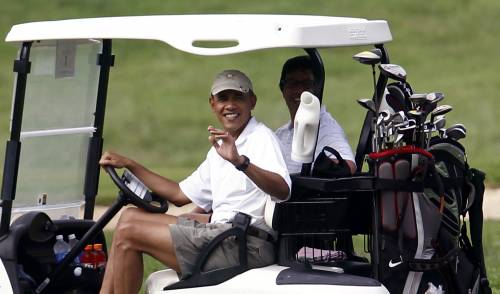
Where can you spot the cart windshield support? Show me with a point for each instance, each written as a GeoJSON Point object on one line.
{"type": "Point", "coordinates": [106, 60]}
{"type": "Point", "coordinates": [13, 148]}
{"type": "Point", "coordinates": [58, 117]}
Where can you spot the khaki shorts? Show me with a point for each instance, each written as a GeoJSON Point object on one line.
{"type": "Point", "coordinates": [190, 237]}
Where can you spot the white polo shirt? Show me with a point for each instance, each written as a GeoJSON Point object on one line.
{"type": "Point", "coordinates": [330, 134]}
{"type": "Point", "coordinates": [218, 186]}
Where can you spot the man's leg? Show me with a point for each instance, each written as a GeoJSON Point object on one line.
{"type": "Point", "coordinates": [137, 232]}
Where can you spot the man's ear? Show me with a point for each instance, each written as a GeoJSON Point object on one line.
{"type": "Point", "coordinates": [253, 101]}
{"type": "Point", "coordinates": [211, 101]}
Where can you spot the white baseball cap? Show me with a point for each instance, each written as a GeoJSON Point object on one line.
{"type": "Point", "coordinates": [231, 80]}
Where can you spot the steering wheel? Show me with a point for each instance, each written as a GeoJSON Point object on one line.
{"type": "Point", "coordinates": [146, 199]}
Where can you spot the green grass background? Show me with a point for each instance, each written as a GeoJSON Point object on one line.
{"type": "Point", "coordinates": [157, 100]}
{"type": "Point", "coordinates": [157, 103]}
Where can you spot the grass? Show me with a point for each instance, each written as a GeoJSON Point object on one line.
{"type": "Point", "coordinates": [491, 249]}
{"type": "Point", "coordinates": [491, 231]}
{"type": "Point", "coordinates": [157, 100]}
{"type": "Point", "coordinates": [444, 46]}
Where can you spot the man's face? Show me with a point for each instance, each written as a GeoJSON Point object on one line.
{"type": "Point", "coordinates": [233, 109]}
{"type": "Point", "coordinates": [295, 83]}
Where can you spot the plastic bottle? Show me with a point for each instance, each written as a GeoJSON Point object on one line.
{"type": "Point", "coordinates": [305, 128]}
{"type": "Point", "coordinates": [87, 257]}
{"type": "Point", "coordinates": [72, 241]}
{"type": "Point", "coordinates": [100, 256]}
{"type": "Point", "coordinates": [61, 248]}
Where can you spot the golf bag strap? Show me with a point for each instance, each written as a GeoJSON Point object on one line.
{"type": "Point", "coordinates": [476, 225]}
{"type": "Point", "coordinates": [399, 185]}
{"type": "Point", "coordinates": [471, 253]}
{"type": "Point", "coordinates": [422, 265]}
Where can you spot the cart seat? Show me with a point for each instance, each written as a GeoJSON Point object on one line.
{"type": "Point", "coordinates": [160, 279]}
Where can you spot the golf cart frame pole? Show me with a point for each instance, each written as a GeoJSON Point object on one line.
{"type": "Point", "coordinates": [22, 67]}
{"type": "Point", "coordinates": [319, 77]}
{"type": "Point", "coordinates": [377, 98]}
{"type": "Point", "coordinates": [106, 60]}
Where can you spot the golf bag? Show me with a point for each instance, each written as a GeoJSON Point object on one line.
{"type": "Point", "coordinates": [422, 196]}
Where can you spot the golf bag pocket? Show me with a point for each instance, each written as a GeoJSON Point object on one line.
{"type": "Point", "coordinates": [400, 173]}
{"type": "Point", "coordinates": [393, 203]}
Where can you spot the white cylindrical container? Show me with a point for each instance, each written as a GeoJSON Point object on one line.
{"type": "Point", "coordinates": [305, 128]}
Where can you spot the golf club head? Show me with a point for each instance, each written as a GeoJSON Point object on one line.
{"type": "Point", "coordinates": [371, 57]}
{"type": "Point", "coordinates": [440, 110]}
{"type": "Point", "coordinates": [435, 97]}
{"type": "Point", "coordinates": [407, 125]}
{"type": "Point", "coordinates": [395, 98]}
{"type": "Point", "coordinates": [439, 122]}
{"type": "Point", "coordinates": [459, 126]}
{"type": "Point", "coordinates": [393, 71]}
{"type": "Point", "coordinates": [383, 115]}
{"type": "Point", "coordinates": [399, 117]}
{"type": "Point", "coordinates": [415, 114]}
{"type": "Point", "coordinates": [455, 133]}
{"type": "Point", "coordinates": [418, 99]}
{"type": "Point", "coordinates": [368, 104]}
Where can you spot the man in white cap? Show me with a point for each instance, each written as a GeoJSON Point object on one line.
{"type": "Point", "coordinates": [242, 169]}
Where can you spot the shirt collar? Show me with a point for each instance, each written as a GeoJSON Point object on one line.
{"type": "Point", "coordinates": [252, 123]}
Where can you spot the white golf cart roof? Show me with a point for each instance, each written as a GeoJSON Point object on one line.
{"type": "Point", "coordinates": [245, 32]}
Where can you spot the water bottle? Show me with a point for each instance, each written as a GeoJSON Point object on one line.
{"type": "Point", "coordinates": [72, 241]}
{"type": "Point", "coordinates": [305, 128]}
{"type": "Point", "coordinates": [61, 248]}
{"type": "Point", "coordinates": [99, 256]}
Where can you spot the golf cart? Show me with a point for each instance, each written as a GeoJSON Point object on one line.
{"type": "Point", "coordinates": [58, 111]}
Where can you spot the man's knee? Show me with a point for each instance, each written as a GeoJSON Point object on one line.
{"type": "Point", "coordinates": [129, 215]}
{"type": "Point", "coordinates": [128, 219]}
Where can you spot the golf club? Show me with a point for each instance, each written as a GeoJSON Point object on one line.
{"type": "Point", "coordinates": [393, 71]}
{"type": "Point", "coordinates": [371, 57]}
{"type": "Point", "coordinates": [368, 104]}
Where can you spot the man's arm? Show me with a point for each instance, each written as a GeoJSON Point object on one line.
{"type": "Point", "coordinates": [331, 134]}
{"type": "Point", "coordinates": [269, 182]}
{"type": "Point", "coordinates": [198, 214]}
{"type": "Point", "coordinates": [162, 186]}
{"type": "Point", "coordinates": [350, 164]}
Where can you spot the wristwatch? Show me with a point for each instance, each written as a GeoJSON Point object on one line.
{"type": "Point", "coordinates": [244, 165]}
